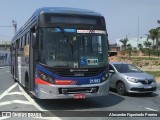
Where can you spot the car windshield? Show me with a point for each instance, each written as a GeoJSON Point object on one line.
{"type": "Point", "coordinates": [58, 48]}
{"type": "Point", "coordinates": [127, 68]}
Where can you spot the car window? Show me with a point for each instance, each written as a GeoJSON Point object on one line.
{"type": "Point", "coordinates": [133, 68]}
{"type": "Point", "coordinates": [110, 67]}
{"type": "Point", "coordinates": [127, 68]}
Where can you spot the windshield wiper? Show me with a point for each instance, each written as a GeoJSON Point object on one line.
{"type": "Point", "coordinates": [91, 29]}
{"type": "Point", "coordinates": [66, 37]}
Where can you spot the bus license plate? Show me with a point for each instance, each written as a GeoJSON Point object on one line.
{"type": "Point", "coordinates": [79, 96]}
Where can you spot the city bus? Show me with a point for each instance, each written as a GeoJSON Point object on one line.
{"type": "Point", "coordinates": [62, 53]}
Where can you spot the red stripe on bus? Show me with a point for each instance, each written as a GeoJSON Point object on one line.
{"type": "Point", "coordinates": [39, 81]}
{"type": "Point", "coordinates": [63, 82]}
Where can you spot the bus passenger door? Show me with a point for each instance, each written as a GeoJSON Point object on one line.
{"type": "Point", "coordinates": [16, 61]}
{"type": "Point", "coordinates": [32, 61]}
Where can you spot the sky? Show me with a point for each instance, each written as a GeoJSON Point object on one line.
{"type": "Point", "coordinates": [123, 17]}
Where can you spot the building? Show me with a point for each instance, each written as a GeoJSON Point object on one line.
{"type": "Point", "coordinates": [114, 47]}
{"type": "Point", "coordinates": [4, 51]}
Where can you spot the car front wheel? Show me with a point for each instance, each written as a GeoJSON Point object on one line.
{"type": "Point", "coordinates": [121, 90]}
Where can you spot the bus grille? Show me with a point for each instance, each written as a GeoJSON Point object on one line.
{"type": "Point", "coordinates": [89, 72]}
{"type": "Point", "coordinates": [78, 90]}
{"type": "Point", "coordinates": [76, 72]}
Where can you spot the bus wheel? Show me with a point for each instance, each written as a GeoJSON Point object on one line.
{"type": "Point", "coordinates": [13, 75]}
{"type": "Point", "coordinates": [26, 84]}
{"type": "Point", "coordinates": [27, 89]}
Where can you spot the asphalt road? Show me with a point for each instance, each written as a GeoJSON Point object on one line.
{"type": "Point", "coordinates": [14, 98]}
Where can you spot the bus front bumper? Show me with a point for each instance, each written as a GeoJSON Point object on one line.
{"type": "Point", "coordinates": [71, 91]}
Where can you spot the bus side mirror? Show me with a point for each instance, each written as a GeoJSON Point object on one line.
{"type": "Point", "coordinates": [33, 40]}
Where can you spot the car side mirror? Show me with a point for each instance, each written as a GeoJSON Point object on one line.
{"type": "Point", "coordinates": [111, 71]}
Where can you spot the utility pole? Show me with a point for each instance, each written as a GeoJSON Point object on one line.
{"type": "Point", "coordinates": [138, 33]}
{"type": "Point", "coordinates": [14, 23]}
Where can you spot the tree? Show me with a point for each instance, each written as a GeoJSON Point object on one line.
{"type": "Point", "coordinates": [147, 44]}
{"type": "Point", "coordinates": [154, 34]}
{"type": "Point", "coordinates": [140, 46]}
{"type": "Point", "coordinates": [124, 43]}
{"type": "Point", "coordinates": [129, 48]}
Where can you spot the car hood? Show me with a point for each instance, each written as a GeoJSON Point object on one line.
{"type": "Point", "coordinates": [140, 76]}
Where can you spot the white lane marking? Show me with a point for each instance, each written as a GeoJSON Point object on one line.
{"type": "Point", "coordinates": [36, 105]}
{"type": "Point", "coordinates": [3, 118]}
{"type": "Point", "coordinates": [15, 93]}
{"type": "Point", "coordinates": [7, 91]}
{"type": "Point", "coordinates": [30, 99]}
{"type": "Point", "coordinates": [15, 101]}
{"type": "Point", "coordinates": [150, 109]}
{"type": "Point", "coordinates": [46, 118]}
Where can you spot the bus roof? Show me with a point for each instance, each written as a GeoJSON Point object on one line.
{"type": "Point", "coordinates": [66, 10]}
{"type": "Point", "coordinates": [56, 10]}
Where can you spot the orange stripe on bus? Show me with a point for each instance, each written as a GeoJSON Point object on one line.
{"type": "Point", "coordinates": [63, 82]}
{"type": "Point", "coordinates": [39, 81]}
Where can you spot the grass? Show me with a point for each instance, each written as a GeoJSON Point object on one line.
{"type": "Point", "coordinates": [144, 58]}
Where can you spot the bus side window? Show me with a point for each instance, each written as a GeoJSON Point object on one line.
{"type": "Point", "coordinates": [27, 38]}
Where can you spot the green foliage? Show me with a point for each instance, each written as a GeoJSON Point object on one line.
{"type": "Point", "coordinates": [154, 34]}
{"type": "Point", "coordinates": [151, 52]}
{"type": "Point", "coordinates": [154, 73]}
{"type": "Point", "coordinates": [124, 43]}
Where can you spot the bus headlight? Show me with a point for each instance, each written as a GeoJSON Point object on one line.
{"type": "Point", "coordinates": [105, 77]}
{"type": "Point", "coordinates": [51, 80]}
{"type": "Point", "coordinates": [46, 78]}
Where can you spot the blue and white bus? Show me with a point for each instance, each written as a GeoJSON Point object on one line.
{"type": "Point", "coordinates": [62, 53]}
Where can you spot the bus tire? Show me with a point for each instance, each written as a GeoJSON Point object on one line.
{"type": "Point", "coordinates": [27, 89]}
{"type": "Point", "coordinates": [26, 84]}
{"type": "Point", "coordinates": [13, 75]}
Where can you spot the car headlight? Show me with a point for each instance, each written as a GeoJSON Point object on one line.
{"type": "Point", "coordinates": [134, 80]}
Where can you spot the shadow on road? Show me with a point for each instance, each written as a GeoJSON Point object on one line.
{"type": "Point", "coordinates": [143, 95]}
{"type": "Point", "coordinates": [72, 104]}
{"type": "Point", "coordinates": [154, 94]}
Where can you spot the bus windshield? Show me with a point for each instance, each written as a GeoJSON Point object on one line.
{"type": "Point", "coordinates": [71, 49]}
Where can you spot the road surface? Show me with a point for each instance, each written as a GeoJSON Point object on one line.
{"type": "Point", "coordinates": [14, 98]}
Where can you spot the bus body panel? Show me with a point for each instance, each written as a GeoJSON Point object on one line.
{"type": "Point", "coordinates": [73, 85]}
{"type": "Point", "coordinates": [23, 66]}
